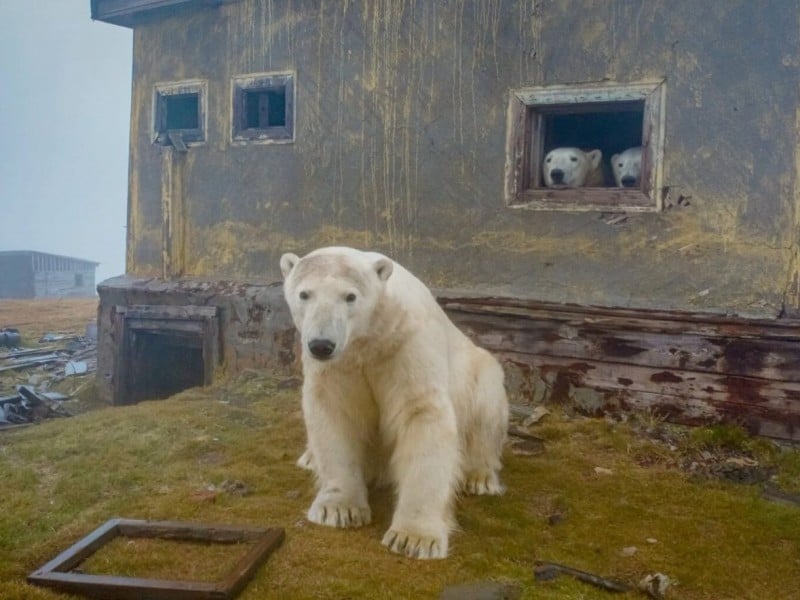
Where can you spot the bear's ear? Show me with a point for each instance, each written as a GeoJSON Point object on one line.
{"type": "Point", "coordinates": [288, 261]}
{"type": "Point", "coordinates": [383, 267]}
{"type": "Point", "coordinates": [595, 156]}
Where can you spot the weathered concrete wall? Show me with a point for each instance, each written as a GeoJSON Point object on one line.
{"type": "Point", "coordinates": [256, 327]}
{"type": "Point", "coordinates": [400, 133]}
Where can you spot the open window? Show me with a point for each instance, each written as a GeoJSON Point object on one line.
{"type": "Point", "coordinates": [546, 121]}
{"type": "Point", "coordinates": [179, 113]}
{"type": "Point", "coordinates": [263, 108]}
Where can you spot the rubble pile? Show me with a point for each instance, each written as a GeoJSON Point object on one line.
{"type": "Point", "coordinates": [28, 375]}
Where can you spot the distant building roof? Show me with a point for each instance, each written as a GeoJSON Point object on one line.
{"type": "Point", "coordinates": [132, 12]}
{"type": "Point", "coordinates": [36, 253]}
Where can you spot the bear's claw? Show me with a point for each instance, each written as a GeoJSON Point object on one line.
{"type": "Point", "coordinates": [481, 483]}
{"type": "Point", "coordinates": [415, 546]}
{"type": "Point", "coordinates": [339, 515]}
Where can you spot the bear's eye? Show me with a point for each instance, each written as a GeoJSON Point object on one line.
{"type": "Point", "coordinates": [303, 295]}
{"type": "Point", "coordinates": [619, 165]}
{"type": "Point", "coordinates": [350, 298]}
{"type": "Point", "coordinates": [548, 159]}
{"type": "Point", "coordinates": [573, 158]}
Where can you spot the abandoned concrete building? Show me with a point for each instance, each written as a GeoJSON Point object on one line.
{"type": "Point", "coordinates": [418, 129]}
{"type": "Point", "coordinates": [29, 274]}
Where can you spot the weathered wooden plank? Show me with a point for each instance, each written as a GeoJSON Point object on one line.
{"type": "Point", "coordinates": [627, 318]}
{"type": "Point", "coordinates": [161, 311]}
{"type": "Point", "coordinates": [55, 574]}
{"type": "Point", "coordinates": [684, 396]}
{"type": "Point", "coordinates": [179, 530]}
{"type": "Point", "coordinates": [693, 367]}
{"type": "Point", "coordinates": [766, 358]}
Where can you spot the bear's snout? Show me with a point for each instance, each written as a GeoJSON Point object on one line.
{"type": "Point", "coordinates": [628, 181]}
{"type": "Point", "coordinates": [557, 175]}
{"type": "Point", "coordinates": [321, 348]}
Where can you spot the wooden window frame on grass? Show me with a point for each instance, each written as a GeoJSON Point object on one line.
{"type": "Point", "coordinates": [57, 574]}
{"type": "Point", "coordinates": [527, 111]}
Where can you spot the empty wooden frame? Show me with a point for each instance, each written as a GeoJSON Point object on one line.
{"type": "Point", "coordinates": [56, 573]}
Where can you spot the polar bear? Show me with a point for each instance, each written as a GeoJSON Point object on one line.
{"type": "Point", "coordinates": [393, 393]}
{"type": "Point", "coordinates": [627, 167]}
{"type": "Point", "coordinates": [572, 167]}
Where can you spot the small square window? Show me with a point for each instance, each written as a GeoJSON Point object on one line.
{"type": "Point", "coordinates": [263, 108]}
{"type": "Point", "coordinates": [179, 113]}
{"type": "Point", "coordinates": [578, 121]}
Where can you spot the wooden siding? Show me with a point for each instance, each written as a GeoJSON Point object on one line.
{"type": "Point", "coordinates": [30, 274]}
{"type": "Point", "coordinates": [690, 367]}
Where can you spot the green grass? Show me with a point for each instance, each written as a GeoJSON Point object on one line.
{"type": "Point", "coordinates": [63, 478]}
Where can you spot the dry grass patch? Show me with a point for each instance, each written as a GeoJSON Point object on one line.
{"type": "Point", "coordinates": [167, 460]}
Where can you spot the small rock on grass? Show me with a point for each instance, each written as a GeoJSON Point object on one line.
{"type": "Point", "coordinates": [482, 590]}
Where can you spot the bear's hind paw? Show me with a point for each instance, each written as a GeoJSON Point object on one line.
{"type": "Point", "coordinates": [339, 515]}
{"type": "Point", "coordinates": [415, 546]}
{"type": "Point", "coordinates": [483, 483]}
{"type": "Point", "coordinates": [306, 461]}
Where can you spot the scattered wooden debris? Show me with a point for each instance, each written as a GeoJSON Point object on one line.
{"type": "Point", "coordinates": [546, 571]}
{"type": "Point", "coordinates": [775, 494]}
{"type": "Point", "coordinates": [26, 375]}
{"type": "Point", "coordinates": [28, 406]}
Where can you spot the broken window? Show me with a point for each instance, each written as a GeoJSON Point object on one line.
{"type": "Point", "coordinates": [263, 108]}
{"type": "Point", "coordinates": [561, 141]}
{"type": "Point", "coordinates": [179, 113]}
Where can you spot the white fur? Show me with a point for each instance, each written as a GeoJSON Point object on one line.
{"type": "Point", "coordinates": [405, 398]}
{"type": "Point", "coordinates": [578, 168]}
{"type": "Point", "coordinates": [628, 165]}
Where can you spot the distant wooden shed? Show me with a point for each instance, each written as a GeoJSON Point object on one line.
{"type": "Point", "coordinates": [31, 274]}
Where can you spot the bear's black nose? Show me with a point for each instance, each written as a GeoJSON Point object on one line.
{"type": "Point", "coordinates": [628, 181]}
{"type": "Point", "coordinates": [321, 348]}
{"type": "Point", "coordinates": [557, 175]}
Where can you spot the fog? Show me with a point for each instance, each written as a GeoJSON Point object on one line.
{"type": "Point", "coordinates": [64, 127]}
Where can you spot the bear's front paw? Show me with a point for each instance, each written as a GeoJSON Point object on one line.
{"type": "Point", "coordinates": [334, 514]}
{"type": "Point", "coordinates": [483, 482]}
{"type": "Point", "coordinates": [416, 546]}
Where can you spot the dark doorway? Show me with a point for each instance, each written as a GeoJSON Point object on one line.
{"type": "Point", "coordinates": [164, 350]}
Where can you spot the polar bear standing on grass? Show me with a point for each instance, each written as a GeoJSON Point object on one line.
{"type": "Point", "coordinates": [393, 393]}
{"type": "Point", "coordinates": [572, 167]}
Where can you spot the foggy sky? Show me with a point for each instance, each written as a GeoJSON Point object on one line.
{"type": "Point", "coordinates": [65, 86]}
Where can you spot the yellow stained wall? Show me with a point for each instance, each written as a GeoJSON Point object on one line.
{"type": "Point", "coordinates": [400, 146]}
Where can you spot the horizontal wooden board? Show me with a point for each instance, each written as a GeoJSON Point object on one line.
{"type": "Point", "coordinates": [691, 367]}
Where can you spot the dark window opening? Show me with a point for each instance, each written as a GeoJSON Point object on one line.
{"type": "Point", "coordinates": [181, 111]}
{"type": "Point", "coordinates": [611, 129]}
{"type": "Point", "coordinates": [263, 108]}
{"type": "Point", "coordinates": [78, 279]}
{"type": "Point", "coordinates": [163, 364]}
{"type": "Point", "coordinates": [604, 117]}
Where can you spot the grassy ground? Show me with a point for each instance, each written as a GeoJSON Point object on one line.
{"type": "Point", "coordinates": [169, 459]}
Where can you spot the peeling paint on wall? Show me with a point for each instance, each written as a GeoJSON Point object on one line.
{"type": "Point", "coordinates": [400, 146]}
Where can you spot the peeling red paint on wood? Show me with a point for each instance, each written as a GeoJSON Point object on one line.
{"type": "Point", "coordinates": [692, 367]}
